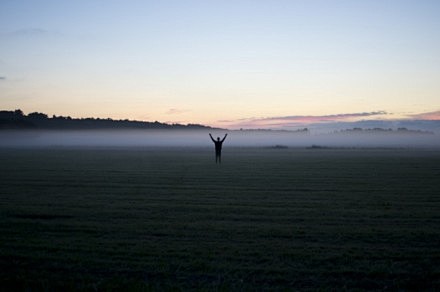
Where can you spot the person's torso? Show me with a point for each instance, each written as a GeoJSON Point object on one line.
{"type": "Point", "coordinates": [218, 145]}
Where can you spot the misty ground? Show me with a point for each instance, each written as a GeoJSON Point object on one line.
{"type": "Point", "coordinates": [200, 138]}
{"type": "Point", "coordinates": [268, 218]}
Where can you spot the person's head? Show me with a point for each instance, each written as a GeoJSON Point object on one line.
{"type": "Point", "coordinates": [218, 138]}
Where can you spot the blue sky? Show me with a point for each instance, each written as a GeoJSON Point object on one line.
{"type": "Point", "coordinates": [221, 62]}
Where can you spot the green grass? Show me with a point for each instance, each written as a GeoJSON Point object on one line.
{"type": "Point", "coordinates": [166, 219]}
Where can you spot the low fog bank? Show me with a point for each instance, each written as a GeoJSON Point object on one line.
{"type": "Point", "coordinates": [169, 138]}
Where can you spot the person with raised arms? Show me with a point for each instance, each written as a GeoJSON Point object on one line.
{"type": "Point", "coordinates": [218, 147]}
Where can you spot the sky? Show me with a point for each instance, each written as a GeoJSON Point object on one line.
{"type": "Point", "coordinates": [222, 63]}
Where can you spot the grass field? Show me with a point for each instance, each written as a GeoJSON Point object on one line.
{"type": "Point", "coordinates": [141, 219]}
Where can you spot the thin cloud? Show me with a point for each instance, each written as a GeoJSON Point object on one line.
{"type": "Point", "coordinates": [30, 32]}
{"type": "Point", "coordinates": [235, 121]}
{"type": "Point", "coordinates": [176, 111]}
{"type": "Point", "coordinates": [2, 78]}
{"type": "Point", "coordinates": [427, 116]}
{"type": "Point", "coordinates": [298, 120]}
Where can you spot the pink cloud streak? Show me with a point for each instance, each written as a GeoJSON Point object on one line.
{"type": "Point", "coordinates": [427, 116]}
{"type": "Point", "coordinates": [292, 121]}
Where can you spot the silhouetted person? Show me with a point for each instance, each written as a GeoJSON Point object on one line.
{"type": "Point", "coordinates": [218, 147]}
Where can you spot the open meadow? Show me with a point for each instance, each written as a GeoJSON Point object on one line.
{"type": "Point", "coordinates": [90, 218]}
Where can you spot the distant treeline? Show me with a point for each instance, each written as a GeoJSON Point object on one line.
{"type": "Point", "coordinates": [302, 131]}
{"type": "Point", "coordinates": [384, 131]}
{"type": "Point", "coordinates": [17, 120]}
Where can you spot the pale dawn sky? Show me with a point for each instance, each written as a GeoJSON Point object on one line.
{"type": "Point", "coordinates": [222, 63]}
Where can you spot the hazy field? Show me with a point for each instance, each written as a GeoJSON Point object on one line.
{"type": "Point", "coordinates": [142, 218]}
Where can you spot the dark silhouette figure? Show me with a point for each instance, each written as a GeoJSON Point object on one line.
{"type": "Point", "coordinates": [218, 147]}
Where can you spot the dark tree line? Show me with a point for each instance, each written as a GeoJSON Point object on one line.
{"type": "Point", "coordinates": [18, 120]}
{"type": "Point", "coordinates": [401, 130]}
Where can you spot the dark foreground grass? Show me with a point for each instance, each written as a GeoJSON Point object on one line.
{"type": "Point", "coordinates": [164, 219]}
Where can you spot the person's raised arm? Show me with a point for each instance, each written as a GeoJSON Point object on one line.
{"type": "Point", "coordinates": [211, 137]}
{"type": "Point", "coordinates": [224, 137]}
